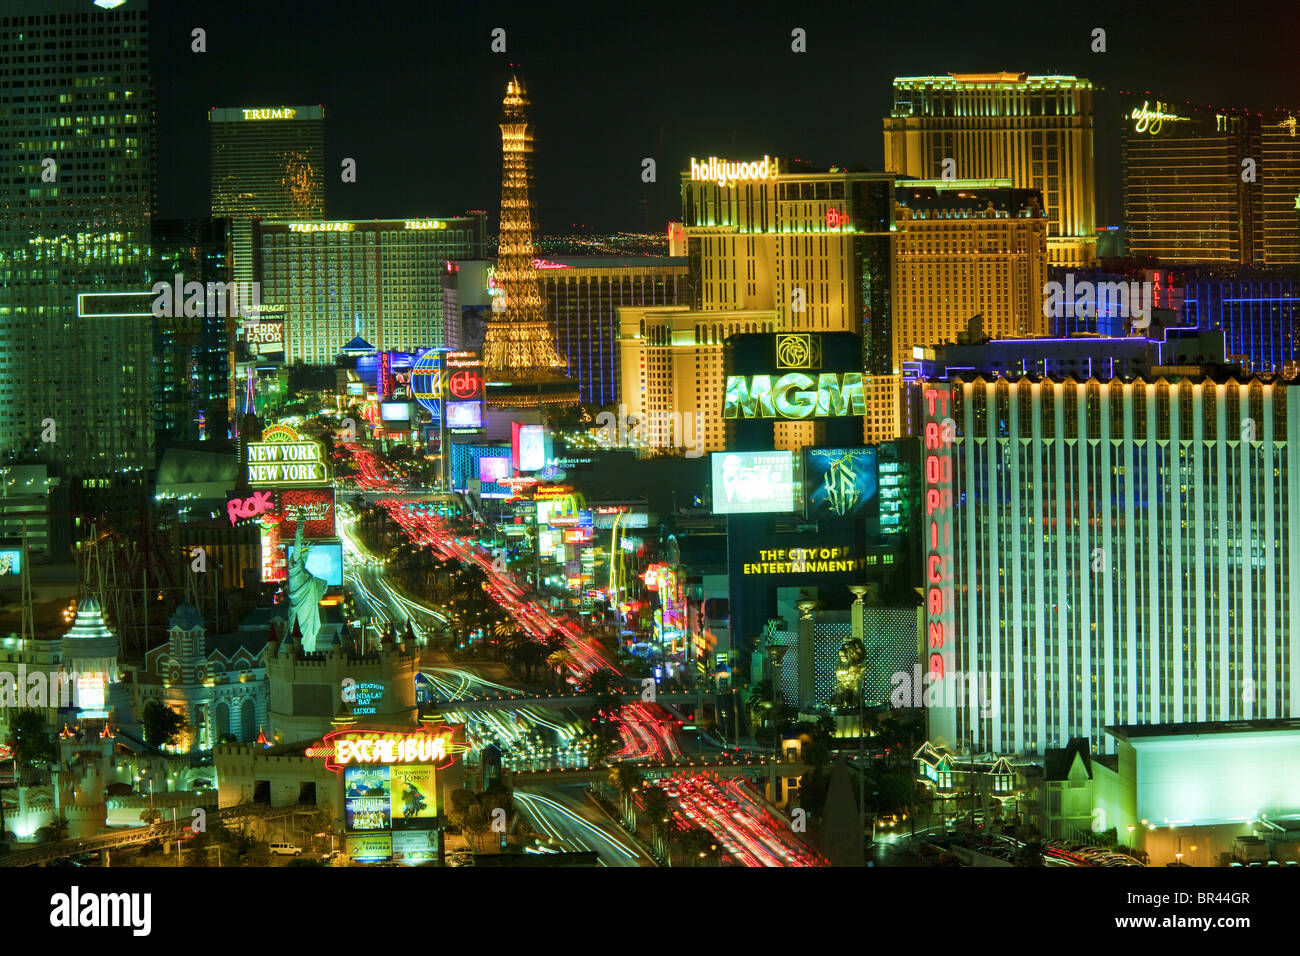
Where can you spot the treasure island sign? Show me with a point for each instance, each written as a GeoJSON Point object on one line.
{"type": "Point", "coordinates": [284, 459]}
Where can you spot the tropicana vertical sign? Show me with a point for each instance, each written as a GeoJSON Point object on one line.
{"type": "Point", "coordinates": [940, 431]}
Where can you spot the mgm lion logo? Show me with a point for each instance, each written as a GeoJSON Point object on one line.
{"type": "Point", "coordinates": [799, 350]}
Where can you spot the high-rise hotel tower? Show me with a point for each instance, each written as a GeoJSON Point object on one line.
{"type": "Point", "coordinates": [1034, 130]}
{"type": "Point", "coordinates": [1109, 552]}
{"type": "Point", "coordinates": [1210, 186]}
{"type": "Point", "coordinates": [76, 199]}
{"type": "Point", "coordinates": [267, 163]}
{"type": "Point", "coordinates": [771, 247]}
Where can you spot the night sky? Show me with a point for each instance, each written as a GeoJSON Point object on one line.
{"type": "Point", "coordinates": [412, 90]}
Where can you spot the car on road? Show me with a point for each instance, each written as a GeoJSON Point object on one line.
{"type": "Point", "coordinates": [285, 849]}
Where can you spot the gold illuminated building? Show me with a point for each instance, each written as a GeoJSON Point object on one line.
{"type": "Point", "coordinates": [1210, 186]}
{"type": "Point", "coordinates": [772, 246]}
{"type": "Point", "coordinates": [518, 339]}
{"type": "Point", "coordinates": [964, 249]}
{"type": "Point", "coordinates": [1036, 131]}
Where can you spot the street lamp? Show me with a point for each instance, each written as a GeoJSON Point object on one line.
{"type": "Point", "coordinates": [775, 653]}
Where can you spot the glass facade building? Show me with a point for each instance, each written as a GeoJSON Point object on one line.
{"type": "Point", "coordinates": [77, 191]}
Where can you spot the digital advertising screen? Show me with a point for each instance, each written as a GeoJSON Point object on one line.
{"type": "Point", "coordinates": [529, 447]}
{"type": "Point", "coordinates": [414, 796]}
{"type": "Point", "coordinates": [464, 416]}
{"type": "Point", "coordinates": [752, 482]}
{"type": "Point", "coordinates": [369, 847]}
{"type": "Point", "coordinates": [324, 560]}
{"type": "Point", "coordinates": [11, 561]}
{"type": "Point", "coordinates": [395, 411]}
{"type": "Point", "coordinates": [366, 804]}
{"type": "Point", "coordinates": [492, 469]}
{"type": "Point", "coordinates": [415, 846]}
{"type": "Point", "coordinates": [312, 506]}
{"type": "Point", "coordinates": [840, 482]}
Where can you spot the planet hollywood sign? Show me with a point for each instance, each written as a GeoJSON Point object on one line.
{"type": "Point", "coordinates": [726, 173]}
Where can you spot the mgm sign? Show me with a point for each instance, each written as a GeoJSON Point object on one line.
{"type": "Point", "coordinates": [803, 392]}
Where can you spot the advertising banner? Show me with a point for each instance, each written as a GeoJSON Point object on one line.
{"type": "Point", "coordinates": [753, 482]}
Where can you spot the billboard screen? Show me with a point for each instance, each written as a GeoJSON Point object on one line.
{"type": "Point", "coordinates": [464, 416]}
{"type": "Point", "coordinates": [414, 801]}
{"type": "Point", "coordinates": [752, 482]}
{"type": "Point", "coordinates": [11, 561]}
{"type": "Point", "coordinates": [369, 847]}
{"type": "Point", "coordinates": [415, 846]}
{"type": "Point", "coordinates": [492, 469]}
{"type": "Point", "coordinates": [314, 507]}
{"type": "Point", "coordinates": [840, 482]}
{"type": "Point", "coordinates": [324, 560]}
{"type": "Point", "coordinates": [366, 798]}
{"type": "Point", "coordinates": [530, 447]}
{"type": "Point", "coordinates": [395, 411]}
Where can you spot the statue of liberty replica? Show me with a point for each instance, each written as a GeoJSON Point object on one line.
{"type": "Point", "coordinates": [305, 591]}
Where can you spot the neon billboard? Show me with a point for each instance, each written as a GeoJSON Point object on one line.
{"type": "Point", "coordinates": [940, 432]}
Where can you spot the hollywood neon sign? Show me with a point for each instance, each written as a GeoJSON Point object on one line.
{"type": "Point", "coordinates": [835, 218]}
{"type": "Point", "coordinates": [362, 748]}
{"type": "Point", "coordinates": [1150, 121]}
{"type": "Point", "coordinates": [724, 173]}
{"type": "Point", "coordinates": [795, 396]}
{"type": "Point", "coordinates": [939, 434]}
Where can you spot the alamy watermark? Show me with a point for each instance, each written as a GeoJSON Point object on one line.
{"type": "Point", "coordinates": [657, 429]}
{"type": "Point", "coordinates": [180, 298]}
{"type": "Point", "coordinates": [953, 689]}
{"type": "Point", "coordinates": [38, 688]}
{"type": "Point", "coordinates": [1087, 299]}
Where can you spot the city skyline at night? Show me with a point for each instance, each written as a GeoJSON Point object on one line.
{"type": "Point", "coordinates": [685, 438]}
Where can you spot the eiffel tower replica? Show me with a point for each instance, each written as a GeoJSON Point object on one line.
{"type": "Point", "coordinates": [519, 355]}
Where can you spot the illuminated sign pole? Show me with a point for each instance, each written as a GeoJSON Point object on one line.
{"type": "Point", "coordinates": [940, 430]}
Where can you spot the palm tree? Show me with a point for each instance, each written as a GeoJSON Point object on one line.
{"type": "Point", "coordinates": [561, 661]}
{"type": "Point", "coordinates": [659, 812]}
{"type": "Point", "coordinates": [626, 779]}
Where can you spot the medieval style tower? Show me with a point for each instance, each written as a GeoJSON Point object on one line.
{"type": "Point", "coordinates": [518, 345]}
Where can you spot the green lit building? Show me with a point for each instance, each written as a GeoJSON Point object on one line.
{"type": "Point", "coordinates": [77, 188]}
